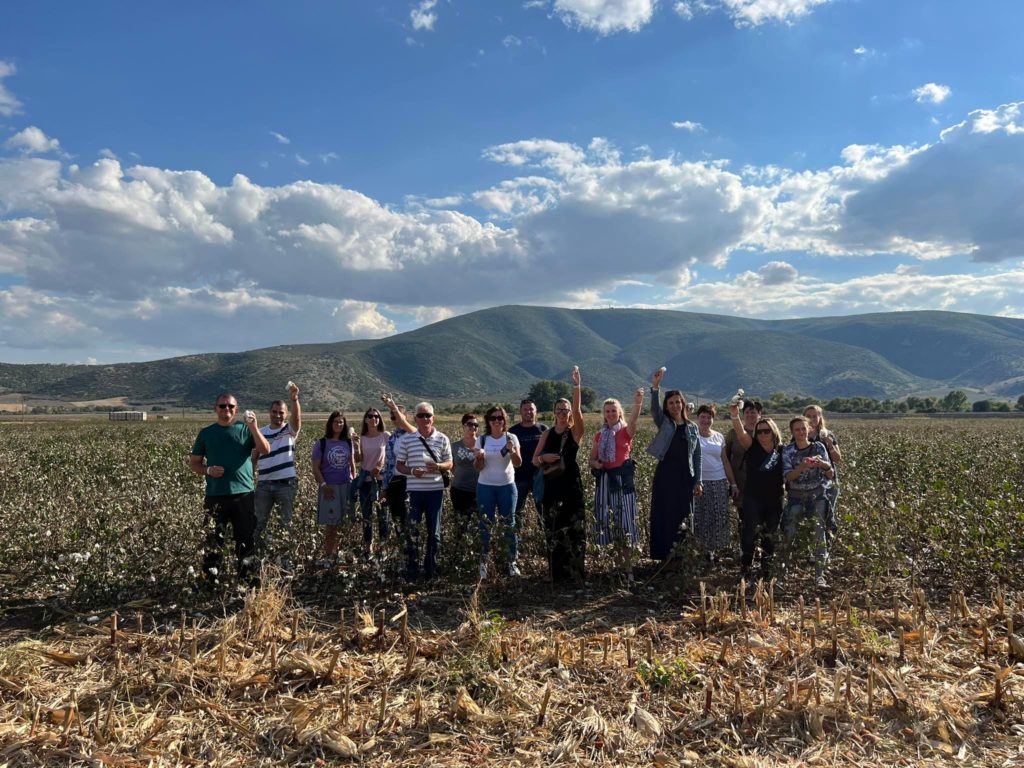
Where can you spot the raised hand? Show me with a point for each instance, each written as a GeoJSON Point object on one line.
{"type": "Point", "coordinates": [575, 375]}
{"type": "Point", "coordinates": [638, 396]}
{"type": "Point", "coordinates": [656, 378]}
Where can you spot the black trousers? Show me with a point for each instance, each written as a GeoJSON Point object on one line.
{"type": "Point", "coordinates": [759, 515]}
{"type": "Point", "coordinates": [239, 511]}
{"type": "Point", "coordinates": [397, 498]}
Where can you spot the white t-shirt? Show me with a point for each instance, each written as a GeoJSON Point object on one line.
{"type": "Point", "coordinates": [498, 469]}
{"type": "Point", "coordinates": [711, 456]}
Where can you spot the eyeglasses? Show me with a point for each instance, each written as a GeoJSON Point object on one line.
{"type": "Point", "coordinates": [472, 424]}
{"type": "Point", "coordinates": [561, 410]}
{"type": "Point", "coordinates": [762, 431]}
{"type": "Point", "coordinates": [424, 415]}
{"type": "Point", "coordinates": [372, 416]}
{"type": "Point", "coordinates": [226, 406]}
{"type": "Point", "coordinates": [495, 418]}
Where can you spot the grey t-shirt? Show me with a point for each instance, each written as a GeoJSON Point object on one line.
{"type": "Point", "coordinates": [465, 474]}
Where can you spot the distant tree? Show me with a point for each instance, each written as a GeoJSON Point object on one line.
{"type": "Point", "coordinates": [545, 391]}
{"type": "Point", "coordinates": [955, 401]}
{"type": "Point", "coordinates": [1020, 404]}
{"type": "Point", "coordinates": [982, 406]}
{"type": "Point", "coordinates": [1001, 406]}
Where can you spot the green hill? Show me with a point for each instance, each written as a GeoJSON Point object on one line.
{"type": "Point", "coordinates": [500, 352]}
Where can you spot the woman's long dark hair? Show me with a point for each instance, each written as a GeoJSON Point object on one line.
{"type": "Point", "coordinates": [669, 395]}
{"type": "Point", "coordinates": [380, 421]}
{"type": "Point", "coordinates": [344, 427]}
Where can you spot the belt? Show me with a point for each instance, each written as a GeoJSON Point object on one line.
{"type": "Point", "coordinates": [286, 480]}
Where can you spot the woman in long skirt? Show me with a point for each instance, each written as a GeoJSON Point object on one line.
{"type": "Point", "coordinates": [614, 496]}
{"type": "Point", "coordinates": [711, 522]}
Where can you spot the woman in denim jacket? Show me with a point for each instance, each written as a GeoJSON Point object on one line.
{"type": "Point", "coordinates": [677, 479]}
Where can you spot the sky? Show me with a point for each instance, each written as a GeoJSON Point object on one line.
{"type": "Point", "coordinates": [196, 177]}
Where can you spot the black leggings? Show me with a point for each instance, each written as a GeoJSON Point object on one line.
{"type": "Point", "coordinates": [762, 514]}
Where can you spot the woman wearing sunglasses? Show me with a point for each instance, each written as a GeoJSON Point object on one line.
{"type": "Point", "coordinates": [333, 463]}
{"type": "Point", "coordinates": [464, 478]}
{"type": "Point", "coordinates": [562, 508]}
{"type": "Point", "coordinates": [373, 440]}
{"type": "Point", "coordinates": [497, 456]}
{"type": "Point", "coordinates": [762, 492]}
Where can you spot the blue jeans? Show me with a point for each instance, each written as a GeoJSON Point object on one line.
{"type": "Point", "coordinates": [269, 493]}
{"type": "Point", "coordinates": [369, 489]}
{"type": "Point", "coordinates": [423, 503]}
{"type": "Point", "coordinates": [503, 499]}
{"type": "Point", "coordinates": [812, 505]}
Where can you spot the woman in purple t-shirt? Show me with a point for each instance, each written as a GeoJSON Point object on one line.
{"type": "Point", "coordinates": [333, 467]}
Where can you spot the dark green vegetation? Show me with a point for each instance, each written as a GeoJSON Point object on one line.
{"type": "Point", "coordinates": [101, 514]}
{"type": "Point", "coordinates": [501, 352]}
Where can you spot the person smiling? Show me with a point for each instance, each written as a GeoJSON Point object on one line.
{"type": "Point", "coordinates": [222, 453]}
{"type": "Point", "coordinates": [497, 456]}
{"type": "Point", "coordinates": [333, 462]}
{"type": "Point", "coordinates": [762, 492]}
{"type": "Point", "coordinates": [809, 472]}
{"type": "Point", "coordinates": [277, 481]}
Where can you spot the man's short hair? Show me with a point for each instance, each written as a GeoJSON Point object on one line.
{"type": "Point", "coordinates": [526, 401]}
{"type": "Point", "coordinates": [279, 402]}
{"type": "Point", "coordinates": [424, 406]}
{"type": "Point", "coordinates": [223, 396]}
{"type": "Point", "coordinates": [753, 405]}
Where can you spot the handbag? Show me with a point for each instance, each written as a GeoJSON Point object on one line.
{"type": "Point", "coordinates": [446, 475]}
{"type": "Point", "coordinates": [556, 468]}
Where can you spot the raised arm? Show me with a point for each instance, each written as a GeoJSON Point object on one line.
{"type": "Point", "coordinates": [397, 416]}
{"type": "Point", "coordinates": [634, 416]}
{"type": "Point", "coordinates": [742, 437]}
{"type": "Point", "coordinates": [295, 418]}
{"type": "Point", "coordinates": [577, 405]}
{"type": "Point", "coordinates": [262, 446]}
{"type": "Point", "coordinates": [656, 413]}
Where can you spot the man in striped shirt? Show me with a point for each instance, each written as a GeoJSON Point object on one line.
{"type": "Point", "coordinates": [278, 482]}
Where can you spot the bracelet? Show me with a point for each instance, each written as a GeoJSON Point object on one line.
{"type": "Point", "coordinates": [206, 471]}
{"type": "Point", "coordinates": [323, 484]}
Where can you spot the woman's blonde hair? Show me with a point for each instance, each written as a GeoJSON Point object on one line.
{"type": "Point", "coordinates": [617, 404]}
{"type": "Point", "coordinates": [821, 416]}
{"type": "Point", "coordinates": [571, 419]}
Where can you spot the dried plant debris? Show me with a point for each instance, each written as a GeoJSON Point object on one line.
{"type": "Point", "coordinates": [723, 683]}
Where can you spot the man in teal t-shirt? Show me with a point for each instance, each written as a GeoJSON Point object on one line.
{"type": "Point", "coordinates": [222, 453]}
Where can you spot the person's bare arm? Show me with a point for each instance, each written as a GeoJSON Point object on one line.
{"type": "Point", "coordinates": [634, 416]}
{"type": "Point", "coordinates": [577, 405]}
{"type": "Point", "coordinates": [742, 437]}
{"type": "Point", "coordinates": [295, 417]}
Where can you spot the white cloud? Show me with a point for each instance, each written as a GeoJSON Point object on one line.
{"type": "Point", "coordinates": [328, 157]}
{"type": "Point", "coordinates": [281, 138]}
{"type": "Point", "coordinates": [777, 273]}
{"type": "Point", "coordinates": [422, 15]}
{"type": "Point", "coordinates": [9, 105]}
{"type": "Point", "coordinates": [688, 125]}
{"type": "Point", "coordinates": [108, 153]}
{"type": "Point", "coordinates": [606, 16]}
{"type": "Point", "coordinates": [300, 159]}
{"type": "Point", "coordinates": [931, 93]}
{"type": "Point", "coordinates": [749, 13]}
{"type": "Point", "coordinates": [32, 140]}
{"type": "Point", "coordinates": [510, 41]}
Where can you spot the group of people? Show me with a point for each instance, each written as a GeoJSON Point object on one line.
{"type": "Point", "coordinates": [400, 476]}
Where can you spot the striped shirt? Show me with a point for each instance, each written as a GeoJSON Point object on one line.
{"type": "Point", "coordinates": [279, 464]}
{"type": "Point", "coordinates": [412, 452]}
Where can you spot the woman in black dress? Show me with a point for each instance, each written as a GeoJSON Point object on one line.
{"type": "Point", "coordinates": [562, 507]}
{"type": "Point", "coordinates": [762, 492]}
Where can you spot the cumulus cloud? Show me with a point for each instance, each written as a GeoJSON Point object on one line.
{"type": "Point", "coordinates": [32, 140]}
{"type": "Point", "coordinates": [931, 93]}
{"type": "Point", "coordinates": [688, 125]}
{"type": "Point", "coordinates": [9, 105]}
{"type": "Point", "coordinates": [422, 15]}
{"type": "Point", "coordinates": [606, 17]}
{"type": "Point", "coordinates": [154, 258]}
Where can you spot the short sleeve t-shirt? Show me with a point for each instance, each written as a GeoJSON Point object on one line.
{"type": "Point", "coordinates": [812, 479]}
{"type": "Point", "coordinates": [465, 474]}
{"type": "Point", "coordinates": [335, 460]}
{"type": "Point", "coordinates": [528, 438]}
{"type": "Point", "coordinates": [414, 454]}
{"type": "Point", "coordinates": [279, 464]}
{"type": "Point", "coordinates": [373, 450]}
{"type": "Point", "coordinates": [229, 447]}
{"type": "Point", "coordinates": [498, 469]}
{"type": "Point", "coordinates": [711, 456]}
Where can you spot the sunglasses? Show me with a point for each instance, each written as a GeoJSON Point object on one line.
{"type": "Point", "coordinates": [561, 410]}
{"type": "Point", "coordinates": [495, 418]}
{"type": "Point", "coordinates": [472, 424]}
{"type": "Point", "coordinates": [762, 431]}
{"type": "Point", "coordinates": [424, 415]}
{"type": "Point", "coordinates": [372, 416]}
{"type": "Point", "coordinates": [226, 406]}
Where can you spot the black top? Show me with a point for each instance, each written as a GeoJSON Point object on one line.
{"type": "Point", "coordinates": [528, 438]}
{"type": "Point", "coordinates": [764, 473]}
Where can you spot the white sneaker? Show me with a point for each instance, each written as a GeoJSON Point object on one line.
{"type": "Point", "coordinates": [483, 571]}
{"type": "Point", "coordinates": [513, 570]}
{"type": "Point", "coordinates": [821, 582]}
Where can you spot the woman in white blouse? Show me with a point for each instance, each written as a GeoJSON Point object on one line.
{"type": "Point", "coordinates": [711, 510]}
